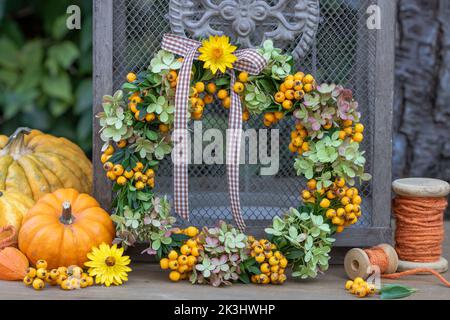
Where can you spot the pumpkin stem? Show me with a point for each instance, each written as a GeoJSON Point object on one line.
{"type": "Point", "coordinates": [16, 142]}
{"type": "Point", "coordinates": [66, 215]}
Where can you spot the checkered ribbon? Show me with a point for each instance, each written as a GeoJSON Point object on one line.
{"type": "Point", "coordinates": [247, 60]}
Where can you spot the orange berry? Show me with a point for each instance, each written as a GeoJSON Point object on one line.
{"type": "Point", "coordinates": [308, 87]}
{"type": "Point", "coordinates": [308, 79]}
{"type": "Point", "coordinates": [200, 87]}
{"type": "Point", "coordinates": [238, 87]}
{"type": "Point", "coordinates": [222, 94]}
{"type": "Point", "coordinates": [131, 77]}
{"type": "Point", "coordinates": [289, 84]}
{"type": "Point", "coordinates": [243, 76]}
{"type": "Point", "coordinates": [164, 128]}
{"type": "Point", "coordinates": [290, 94]}
{"type": "Point", "coordinates": [287, 104]}
{"type": "Point", "coordinates": [299, 76]}
{"type": "Point", "coordinates": [270, 117]}
{"type": "Point", "coordinates": [278, 115]}
{"type": "Point", "coordinates": [245, 115]}
{"type": "Point", "coordinates": [292, 148]}
{"type": "Point", "coordinates": [226, 102]}
{"type": "Point", "coordinates": [280, 97]}
{"type": "Point", "coordinates": [211, 87]}
{"type": "Point", "coordinates": [208, 99]}
{"type": "Point", "coordinates": [118, 170]}
{"type": "Point", "coordinates": [150, 117]}
{"type": "Point", "coordinates": [172, 76]}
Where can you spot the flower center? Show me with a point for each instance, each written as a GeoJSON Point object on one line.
{"type": "Point", "coordinates": [110, 261]}
{"type": "Point", "coordinates": [217, 53]}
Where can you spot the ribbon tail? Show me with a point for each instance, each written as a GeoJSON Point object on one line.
{"type": "Point", "coordinates": [233, 154]}
{"type": "Point", "coordinates": [180, 138]}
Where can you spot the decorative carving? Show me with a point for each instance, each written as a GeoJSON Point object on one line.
{"type": "Point", "coordinates": [249, 22]}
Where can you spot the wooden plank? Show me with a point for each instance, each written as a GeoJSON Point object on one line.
{"type": "Point", "coordinates": [383, 113]}
{"type": "Point", "coordinates": [103, 84]}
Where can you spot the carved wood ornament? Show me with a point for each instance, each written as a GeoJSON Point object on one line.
{"type": "Point", "coordinates": [249, 22]}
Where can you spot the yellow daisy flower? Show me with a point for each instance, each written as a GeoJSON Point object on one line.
{"type": "Point", "coordinates": [108, 265]}
{"type": "Point", "coordinates": [217, 53]}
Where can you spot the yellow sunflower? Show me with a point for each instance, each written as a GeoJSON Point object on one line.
{"type": "Point", "coordinates": [217, 53]}
{"type": "Point", "coordinates": [108, 265]}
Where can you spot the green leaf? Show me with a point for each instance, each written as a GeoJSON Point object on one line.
{"type": "Point", "coordinates": [64, 53]}
{"type": "Point", "coordinates": [396, 291]}
{"type": "Point", "coordinates": [83, 96]}
{"type": "Point", "coordinates": [58, 108]}
{"type": "Point", "coordinates": [8, 54]}
{"type": "Point", "coordinates": [58, 87]}
{"type": "Point", "coordinates": [59, 28]}
{"type": "Point", "coordinates": [129, 86]}
{"type": "Point", "coordinates": [151, 135]}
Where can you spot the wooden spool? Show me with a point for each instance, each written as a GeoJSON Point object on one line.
{"type": "Point", "coordinates": [357, 262]}
{"type": "Point", "coordinates": [427, 188]}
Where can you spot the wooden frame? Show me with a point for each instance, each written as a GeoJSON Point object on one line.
{"type": "Point", "coordinates": [380, 230]}
{"type": "Point", "coordinates": [103, 83]}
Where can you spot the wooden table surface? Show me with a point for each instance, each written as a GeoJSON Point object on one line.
{"type": "Point", "coordinates": [147, 281]}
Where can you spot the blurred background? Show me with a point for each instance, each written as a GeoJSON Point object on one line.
{"type": "Point", "coordinates": [46, 69]}
{"type": "Point", "coordinates": [45, 78]}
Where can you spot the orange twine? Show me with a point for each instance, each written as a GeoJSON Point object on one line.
{"type": "Point", "coordinates": [419, 235]}
{"type": "Point", "coordinates": [420, 228]}
{"type": "Point", "coordinates": [378, 257]}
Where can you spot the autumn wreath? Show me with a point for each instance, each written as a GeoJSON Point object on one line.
{"type": "Point", "coordinates": [137, 122]}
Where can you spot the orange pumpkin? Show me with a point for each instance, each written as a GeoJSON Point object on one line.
{"type": "Point", "coordinates": [13, 263]}
{"type": "Point", "coordinates": [62, 228]}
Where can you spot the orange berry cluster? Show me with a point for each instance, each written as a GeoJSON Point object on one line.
{"type": "Point", "coordinates": [201, 94]}
{"type": "Point", "coordinates": [135, 99]}
{"type": "Point", "coordinates": [110, 150]}
{"type": "Point", "coordinates": [68, 278]}
{"type": "Point", "coordinates": [293, 89]}
{"type": "Point", "coordinates": [182, 263]}
{"type": "Point", "coordinates": [354, 132]}
{"type": "Point", "coordinates": [359, 287]}
{"type": "Point", "coordinates": [272, 263]}
{"type": "Point", "coordinates": [117, 173]}
{"type": "Point", "coordinates": [342, 203]}
{"type": "Point", "coordinates": [298, 137]}
{"type": "Point", "coordinates": [271, 118]}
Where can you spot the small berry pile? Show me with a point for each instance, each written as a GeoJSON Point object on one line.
{"type": "Point", "coordinates": [342, 203]}
{"type": "Point", "coordinates": [298, 140]}
{"type": "Point", "coordinates": [68, 278]}
{"type": "Point", "coordinates": [360, 288]}
{"type": "Point", "coordinates": [182, 263]}
{"type": "Point", "coordinates": [272, 263]}
{"type": "Point", "coordinates": [138, 176]}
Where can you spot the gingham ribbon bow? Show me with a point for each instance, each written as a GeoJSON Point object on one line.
{"type": "Point", "coordinates": [247, 60]}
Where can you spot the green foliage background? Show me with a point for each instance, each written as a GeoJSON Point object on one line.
{"type": "Point", "coordinates": [46, 69]}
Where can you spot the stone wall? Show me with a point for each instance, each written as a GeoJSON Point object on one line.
{"type": "Point", "coordinates": [422, 93]}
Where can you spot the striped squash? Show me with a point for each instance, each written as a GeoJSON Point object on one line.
{"type": "Point", "coordinates": [35, 164]}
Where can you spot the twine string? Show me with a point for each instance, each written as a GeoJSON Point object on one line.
{"type": "Point", "coordinates": [419, 228]}
{"type": "Point", "coordinates": [378, 257]}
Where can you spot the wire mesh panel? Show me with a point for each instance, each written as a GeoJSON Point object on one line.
{"type": "Point", "coordinates": [343, 51]}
